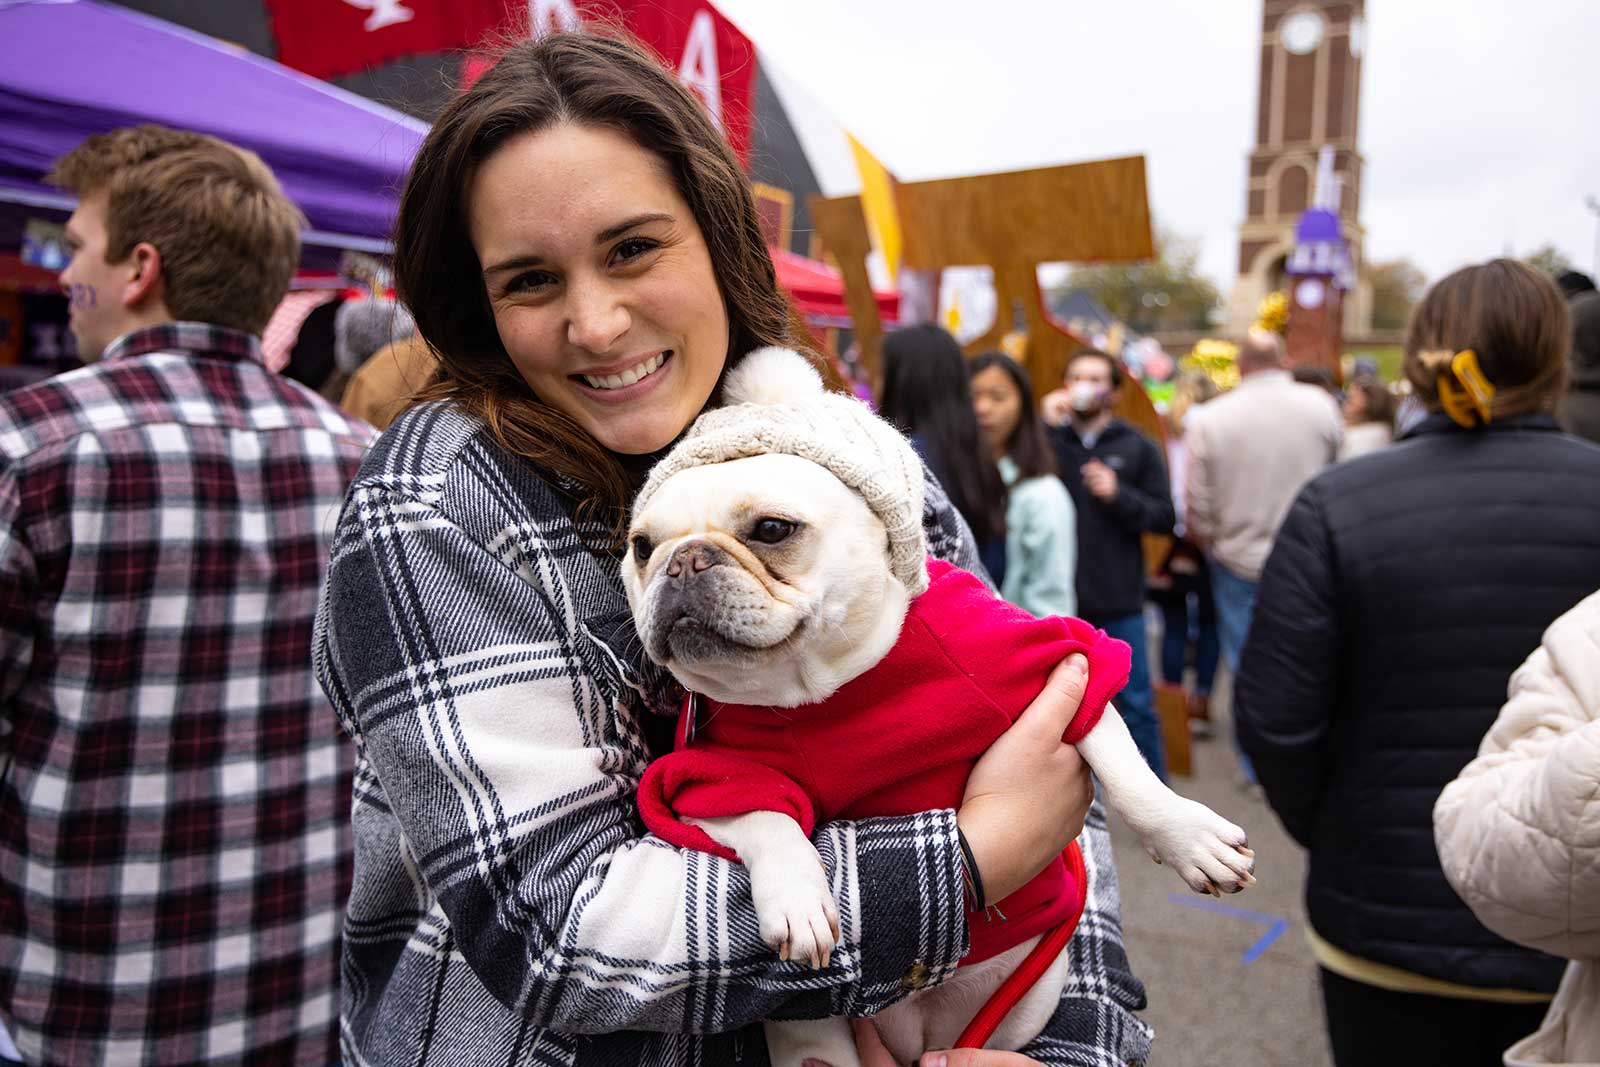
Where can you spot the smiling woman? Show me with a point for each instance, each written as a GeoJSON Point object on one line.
{"type": "Point", "coordinates": [578, 246]}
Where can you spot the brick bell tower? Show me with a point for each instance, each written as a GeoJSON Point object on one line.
{"type": "Point", "coordinates": [1309, 93]}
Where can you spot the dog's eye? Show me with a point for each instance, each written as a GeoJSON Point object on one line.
{"type": "Point", "coordinates": [642, 548]}
{"type": "Point", "coordinates": [771, 531]}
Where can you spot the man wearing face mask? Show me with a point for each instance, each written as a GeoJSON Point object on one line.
{"type": "Point", "coordinates": [1118, 483]}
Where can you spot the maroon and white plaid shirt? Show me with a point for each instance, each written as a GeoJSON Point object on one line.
{"type": "Point", "coordinates": [174, 796]}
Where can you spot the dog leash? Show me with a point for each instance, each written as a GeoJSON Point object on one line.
{"type": "Point", "coordinates": [1051, 945]}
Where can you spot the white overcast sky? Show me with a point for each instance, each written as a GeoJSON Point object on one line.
{"type": "Point", "coordinates": [1480, 119]}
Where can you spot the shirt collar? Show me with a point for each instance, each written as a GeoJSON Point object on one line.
{"type": "Point", "coordinates": [1439, 422]}
{"type": "Point", "coordinates": [1263, 377]}
{"type": "Point", "coordinates": [191, 338]}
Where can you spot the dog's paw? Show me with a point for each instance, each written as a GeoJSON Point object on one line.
{"type": "Point", "coordinates": [1208, 852]}
{"type": "Point", "coordinates": [798, 916]}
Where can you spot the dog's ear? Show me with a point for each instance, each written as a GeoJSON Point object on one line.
{"type": "Point", "coordinates": [770, 376]}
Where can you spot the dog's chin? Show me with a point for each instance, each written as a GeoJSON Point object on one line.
{"type": "Point", "coordinates": [696, 645]}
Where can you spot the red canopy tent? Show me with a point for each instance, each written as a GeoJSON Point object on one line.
{"type": "Point", "coordinates": [818, 291]}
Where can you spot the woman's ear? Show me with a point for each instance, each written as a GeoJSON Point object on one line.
{"type": "Point", "coordinates": [144, 283]}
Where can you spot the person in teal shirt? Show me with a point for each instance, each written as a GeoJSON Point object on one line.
{"type": "Point", "coordinates": [1041, 524]}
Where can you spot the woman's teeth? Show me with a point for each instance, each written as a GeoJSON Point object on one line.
{"type": "Point", "coordinates": [627, 377]}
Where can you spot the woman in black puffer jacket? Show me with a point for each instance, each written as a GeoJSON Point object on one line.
{"type": "Point", "coordinates": [1402, 590]}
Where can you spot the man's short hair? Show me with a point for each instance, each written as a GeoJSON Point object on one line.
{"type": "Point", "coordinates": [1095, 353]}
{"type": "Point", "coordinates": [228, 237]}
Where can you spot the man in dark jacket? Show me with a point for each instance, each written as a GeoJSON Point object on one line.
{"type": "Point", "coordinates": [1403, 589]}
{"type": "Point", "coordinates": [1118, 483]}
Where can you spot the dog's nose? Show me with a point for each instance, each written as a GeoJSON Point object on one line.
{"type": "Point", "coordinates": [694, 558]}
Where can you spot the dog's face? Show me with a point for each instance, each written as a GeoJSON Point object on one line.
{"type": "Point", "coordinates": [762, 581]}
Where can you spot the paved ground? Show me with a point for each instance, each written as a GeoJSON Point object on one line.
{"type": "Point", "coordinates": [1220, 992]}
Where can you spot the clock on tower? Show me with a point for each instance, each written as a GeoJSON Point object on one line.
{"type": "Point", "coordinates": [1309, 90]}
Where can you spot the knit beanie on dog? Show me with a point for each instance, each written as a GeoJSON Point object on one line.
{"type": "Point", "coordinates": [774, 401]}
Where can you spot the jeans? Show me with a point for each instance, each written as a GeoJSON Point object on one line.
{"type": "Point", "coordinates": [1136, 702]}
{"type": "Point", "coordinates": [1190, 618]}
{"type": "Point", "coordinates": [1236, 599]}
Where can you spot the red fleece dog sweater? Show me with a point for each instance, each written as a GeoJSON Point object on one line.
{"type": "Point", "coordinates": [899, 739]}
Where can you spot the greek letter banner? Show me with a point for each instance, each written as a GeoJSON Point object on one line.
{"type": "Point", "coordinates": [328, 38]}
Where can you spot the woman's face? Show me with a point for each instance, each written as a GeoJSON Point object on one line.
{"type": "Point", "coordinates": [1355, 406]}
{"type": "Point", "coordinates": [998, 403]}
{"type": "Point", "coordinates": [600, 281]}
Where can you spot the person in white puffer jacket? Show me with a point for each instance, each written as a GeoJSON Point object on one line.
{"type": "Point", "coordinates": [1519, 830]}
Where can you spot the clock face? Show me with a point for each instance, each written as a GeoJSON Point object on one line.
{"type": "Point", "coordinates": [1309, 293]}
{"type": "Point", "coordinates": [1301, 32]}
{"type": "Point", "coordinates": [1358, 36]}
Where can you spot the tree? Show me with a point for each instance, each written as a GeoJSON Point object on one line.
{"type": "Point", "coordinates": [1549, 259]}
{"type": "Point", "coordinates": [1164, 293]}
{"type": "Point", "coordinates": [1396, 285]}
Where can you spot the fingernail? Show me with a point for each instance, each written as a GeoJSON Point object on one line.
{"type": "Point", "coordinates": [935, 1059]}
{"type": "Point", "coordinates": [1078, 665]}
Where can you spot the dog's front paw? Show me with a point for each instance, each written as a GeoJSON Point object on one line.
{"type": "Point", "coordinates": [798, 916]}
{"type": "Point", "coordinates": [1207, 851]}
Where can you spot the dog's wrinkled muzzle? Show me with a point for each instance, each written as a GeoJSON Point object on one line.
{"type": "Point", "coordinates": [706, 608]}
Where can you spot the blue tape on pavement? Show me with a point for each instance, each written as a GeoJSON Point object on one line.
{"type": "Point", "coordinates": [1276, 926]}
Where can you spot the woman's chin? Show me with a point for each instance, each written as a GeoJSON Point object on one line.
{"type": "Point", "coordinates": [639, 437]}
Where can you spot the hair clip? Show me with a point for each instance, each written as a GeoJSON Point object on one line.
{"type": "Point", "coordinates": [1468, 406]}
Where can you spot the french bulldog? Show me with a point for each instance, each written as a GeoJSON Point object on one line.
{"type": "Point", "coordinates": [773, 589]}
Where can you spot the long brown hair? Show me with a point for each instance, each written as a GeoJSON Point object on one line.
{"type": "Point", "coordinates": [927, 394]}
{"type": "Point", "coordinates": [1512, 316]}
{"type": "Point", "coordinates": [601, 80]}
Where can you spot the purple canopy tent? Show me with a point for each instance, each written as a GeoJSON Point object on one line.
{"type": "Point", "coordinates": [74, 68]}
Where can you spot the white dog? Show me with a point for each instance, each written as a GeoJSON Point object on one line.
{"type": "Point", "coordinates": [776, 560]}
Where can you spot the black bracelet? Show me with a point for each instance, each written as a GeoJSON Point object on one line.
{"type": "Point", "coordinates": [974, 879]}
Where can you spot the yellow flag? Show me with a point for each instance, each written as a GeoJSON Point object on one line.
{"type": "Point", "coordinates": [877, 203]}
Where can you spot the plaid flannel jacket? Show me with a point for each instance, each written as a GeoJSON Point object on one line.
{"type": "Point", "coordinates": [174, 837]}
{"type": "Point", "coordinates": [508, 906]}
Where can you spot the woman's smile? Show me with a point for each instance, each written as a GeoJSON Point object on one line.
{"type": "Point", "coordinates": [637, 379]}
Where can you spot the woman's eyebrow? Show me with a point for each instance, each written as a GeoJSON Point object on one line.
{"type": "Point", "coordinates": [514, 263]}
{"type": "Point", "coordinates": [613, 232]}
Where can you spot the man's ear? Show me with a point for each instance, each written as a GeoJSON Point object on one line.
{"type": "Point", "coordinates": [144, 283]}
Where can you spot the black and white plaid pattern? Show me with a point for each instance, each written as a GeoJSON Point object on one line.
{"type": "Point", "coordinates": [509, 907]}
{"type": "Point", "coordinates": [174, 844]}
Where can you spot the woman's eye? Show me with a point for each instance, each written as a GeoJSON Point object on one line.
{"type": "Point", "coordinates": [633, 248]}
{"type": "Point", "coordinates": [642, 549]}
{"type": "Point", "coordinates": [529, 282]}
{"type": "Point", "coordinates": [771, 531]}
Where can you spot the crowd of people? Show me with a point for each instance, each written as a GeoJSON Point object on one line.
{"type": "Point", "coordinates": [322, 745]}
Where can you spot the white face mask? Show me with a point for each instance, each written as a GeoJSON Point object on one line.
{"type": "Point", "coordinates": [1084, 397]}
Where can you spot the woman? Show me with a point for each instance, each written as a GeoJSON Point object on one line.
{"type": "Point", "coordinates": [580, 250]}
{"type": "Point", "coordinates": [926, 393]}
{"type": "Point", "coordinates": [1519, 830]}
{"type": "Point", "coordinates": [1368, 418]}
{"type": "Point", "coordinates": [1403, 589]}
{"type": "Point", "coordinates": [1041, 526]}
{"type": "Point", "coordinates": [1183, 588]}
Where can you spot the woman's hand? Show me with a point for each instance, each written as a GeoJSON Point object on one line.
{"type": "Point", "coordinates": [1028, 795]}
{"type": "Point", "coordinates": [869, 1046]}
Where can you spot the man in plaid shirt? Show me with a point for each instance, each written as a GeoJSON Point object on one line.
{"type": "Point", "coordinates": [174, 800]}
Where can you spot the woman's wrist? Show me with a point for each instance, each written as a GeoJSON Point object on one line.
{"type": "Point", "coordinates": [993, 861]}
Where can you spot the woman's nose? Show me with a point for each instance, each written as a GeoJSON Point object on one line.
{"type": "Point", "coordinates": [596, 317]}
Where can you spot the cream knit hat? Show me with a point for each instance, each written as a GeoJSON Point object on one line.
{"type": "Point", "coordinates": [774, 401]}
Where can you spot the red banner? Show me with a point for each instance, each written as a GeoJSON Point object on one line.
{"type": "Point", "coordinates": [327, 38]}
